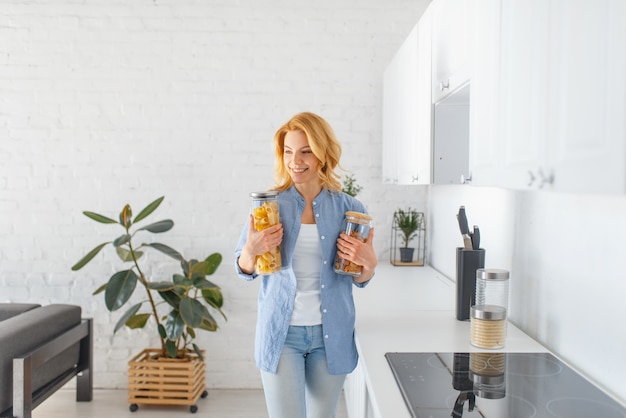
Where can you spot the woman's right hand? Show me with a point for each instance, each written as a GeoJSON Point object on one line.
{"type": "Point", "coordinates": [257, 243]}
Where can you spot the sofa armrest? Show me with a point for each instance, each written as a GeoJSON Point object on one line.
{"type": "Point", "coordinates": [9, 310]}
{"type": "Point", "coordinates": [24, 400]}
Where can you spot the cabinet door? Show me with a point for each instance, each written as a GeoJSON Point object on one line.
{"type": "Point", "coordinates": [484, 98]}
{"type": "Point", "coordinates": [588, 147]}
{"type": "Point", "coordinates": [355, 393]}
{"type": "Point", "coordinates": [407, 110]}
{"type": "Point", "coordinates": [451, 46]}
{"type": "Point", "coordinates": [524, 93]}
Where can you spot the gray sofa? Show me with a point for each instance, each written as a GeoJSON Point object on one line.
{"type": "Point", "coordinates": [41, 349]}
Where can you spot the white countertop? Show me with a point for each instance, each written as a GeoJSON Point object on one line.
{"type": "Point", "coordinates": [412, 309]}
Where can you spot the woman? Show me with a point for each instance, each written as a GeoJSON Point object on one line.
{"type": "Point", "coordinates": [304, 342]}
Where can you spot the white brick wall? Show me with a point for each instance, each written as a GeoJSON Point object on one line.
{"type": "Point", "coordinates": [104, 103]}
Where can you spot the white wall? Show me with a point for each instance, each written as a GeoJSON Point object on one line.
{"type": "Point", "coordinates": [567, 263]}
{"type": "Point", "coordinates": [104, 103]}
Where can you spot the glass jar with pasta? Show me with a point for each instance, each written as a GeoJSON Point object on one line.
{"type": "Point", "coordinates": [265, 213]}
{"type": "Point", "coordinates": [356, 225]}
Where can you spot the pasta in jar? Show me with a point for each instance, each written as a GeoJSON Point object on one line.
{"type": "Point", "coordinates": [265, 213]}
{"type": "Point", "coordinates": [356, 225]}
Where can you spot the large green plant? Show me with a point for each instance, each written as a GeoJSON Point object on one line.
{"type": "Point", "coordinates": [408, 221]}
{"type": "Point", "coordinates": [184, 299]}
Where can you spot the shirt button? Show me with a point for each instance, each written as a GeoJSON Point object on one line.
{"type": "Point", "coordinates": [323, 286]}
{"type": "Point", "coordinates": [323, 237]}
{"type": "Point", "coordinates": [324, 311]}
{"type": "Point", "coordinates": [325, 261]}
{"type": "Point", "coordinates": [317, 215]}
{"type": "Point", "coordinates": [326, 336]}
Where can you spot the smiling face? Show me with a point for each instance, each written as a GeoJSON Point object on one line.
{"type": "Point", "coordinates": [307, 153]}
{"type": "Point", "coordinates": [299, 160]}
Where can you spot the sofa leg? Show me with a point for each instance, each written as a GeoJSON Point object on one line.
{"type": "Point", "coordinates": [84, 380]}
{"type": "Point", "coordinates": [22, 388]}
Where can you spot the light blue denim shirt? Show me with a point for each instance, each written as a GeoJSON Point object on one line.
{"type": "Point", "coordinates": [278, 290]}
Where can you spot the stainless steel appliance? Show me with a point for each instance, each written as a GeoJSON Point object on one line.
{"type": "Point", "coordinates": [497, 385]}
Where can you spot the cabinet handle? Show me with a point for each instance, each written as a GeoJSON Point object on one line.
{"type": "Point", "coordinates": [415, 178]}
{"type": "Point", "coordinates": [444, 85]}
{"type": "Point", "coordinates": [545, 179]}
{"type": "Point", "coordinates": [466, 180]}
{"type": "Point", "coordinates": [531, 178]}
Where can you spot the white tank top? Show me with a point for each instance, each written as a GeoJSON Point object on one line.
{"type": "Point", "coordinates": [307, 265]}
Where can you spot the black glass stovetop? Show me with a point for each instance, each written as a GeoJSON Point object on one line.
{"type": "Point", "coordinates": [497, 385]}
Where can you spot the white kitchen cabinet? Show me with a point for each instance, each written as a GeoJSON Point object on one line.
{"type": "Point", "coordinates": [522, 152]}
{"type": "Point", "coordinates": [588, 96]}
{"type": "Point", "coordinates": [484, 98]}
{"type": "Point", "coordinates": [452, 41]}
{"type": "Point", "coordinates": [560, 98]}
{"type": "Point", "coordinates": [407, 110]}
{"type": "Point", "coordinates": [358, 401]}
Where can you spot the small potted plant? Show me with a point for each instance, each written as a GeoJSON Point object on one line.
{"type": "Point", "coordinates": [178, 306]}
{"type": "Point", "coordinates": [350, 186]}
{"type": "Point", "coordinates": [408, 222]}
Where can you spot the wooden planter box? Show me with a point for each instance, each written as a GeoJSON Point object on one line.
{"type": "Point", "coordinates": [163, 381]}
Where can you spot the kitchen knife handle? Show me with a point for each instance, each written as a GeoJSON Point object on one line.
{"type": "Point", "coordinates": [476, 238]}
{"type": "Point", "coordinates": [462, 217]}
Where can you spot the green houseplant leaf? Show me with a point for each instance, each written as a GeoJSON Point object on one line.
{"type": "Point", "coordinates": [119, 289]}
{"type": "Point", "coordinates": [192, 311]}
{"type": "Point", "coordinates": [99, 218]}
{"type": "Point", "coordinates": [158, 227]}
{"type": "Point", "coordinates": [90, 255]}
{"type": "Point", "coordinates": [145, 212]}
{"type": "Point", "coordinates": [166, 250]}
{"type": "Point", "coordinates": [127, 315]}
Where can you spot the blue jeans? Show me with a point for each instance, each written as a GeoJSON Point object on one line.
{"type": "Point", "coordinates": [302, 386]}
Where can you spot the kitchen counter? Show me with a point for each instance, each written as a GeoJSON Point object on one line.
{"type": "Point", "coordinates": [409, 309]}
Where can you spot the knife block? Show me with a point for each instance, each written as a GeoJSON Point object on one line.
{"type": "Point", "coordinates": [467, 262]}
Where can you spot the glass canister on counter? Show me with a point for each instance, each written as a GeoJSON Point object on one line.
{"type": "Point", "coordinates": [489, 314]}
{"type": "Point", "coordinates": [356, 225]}
{"type": "Point", "coordinates": [492, 287]}
{"type": "Point", "coordinates": [488, 326]}
{"type": "Point", "coordinates": [266, 214]}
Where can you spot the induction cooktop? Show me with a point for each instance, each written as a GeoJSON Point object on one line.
{"type": "Point", "coordinates": [497, 385]}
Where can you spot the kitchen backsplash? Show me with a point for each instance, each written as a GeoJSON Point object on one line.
{"type": "Point", "coordinates": [567, 267]}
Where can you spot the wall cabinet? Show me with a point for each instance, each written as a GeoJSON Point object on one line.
{"type": "Point", "coordinates": [484, 97]}
{"type": "Point", "coordinates": [407, 110]}
{"type": "Point", "coordinates": [559, 121]}
{"type": "Point", "coordinates": [547, 106]}
{"type": "Point", "coordinates": [587, 128]}
{"type": "Point", "coordinates": [451, 50]}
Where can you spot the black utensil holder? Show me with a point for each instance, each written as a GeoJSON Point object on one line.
{"type": "Point", "coordinates": [467, 262]}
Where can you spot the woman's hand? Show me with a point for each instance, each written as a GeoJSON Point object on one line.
{"type": "Point", "coordinates": [257, 243]}
{"type": "Point", "coordinates": [361, 253]}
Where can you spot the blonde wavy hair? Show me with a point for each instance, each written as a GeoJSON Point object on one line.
{"type": "Point", "coordinates": [323, 143]}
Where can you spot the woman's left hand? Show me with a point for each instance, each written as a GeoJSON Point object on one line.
{"type": "Point", "coordinates": [358, 252]}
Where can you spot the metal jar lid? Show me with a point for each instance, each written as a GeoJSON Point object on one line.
{"type": "Point", "coordinates": [492, 274]}
{"type": "Point", "coordinates": [488, 312]}
{"type": "Point", "coordinates": [264, 195]}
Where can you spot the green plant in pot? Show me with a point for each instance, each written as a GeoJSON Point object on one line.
{"type": "Point", "coordinates": [350, 186]}
{"type": "Point", "coordinates": [408, 222]}
{"type": "Point", "coordinates": [178, 306]}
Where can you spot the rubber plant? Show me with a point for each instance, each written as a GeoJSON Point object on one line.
{"type": "Point", "coordinates": [183, 302]}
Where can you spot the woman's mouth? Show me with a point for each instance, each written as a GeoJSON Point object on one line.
{"type": "Point", "coordinates": [298, 170]}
